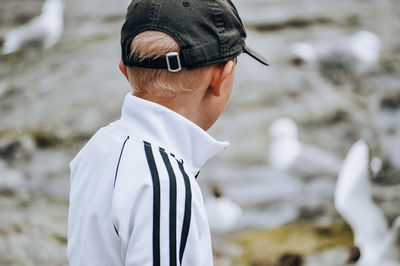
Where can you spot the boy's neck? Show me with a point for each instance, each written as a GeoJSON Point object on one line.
{"type": "Point", "coordinates": [185, 105]}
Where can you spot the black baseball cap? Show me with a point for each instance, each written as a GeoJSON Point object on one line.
{"type": "Point", "coordinates": [207, 32]}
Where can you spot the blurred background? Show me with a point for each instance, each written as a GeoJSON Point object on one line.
{"type": "Point", "coordinates": [334, 79]}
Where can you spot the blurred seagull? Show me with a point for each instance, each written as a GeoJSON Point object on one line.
{"type": "Point", "coordinates": [287, 153]}
{"type": "Point", "coordinates": [358, 52]}
{"type": "Point", "coordinates": [44, 30]}
{"type": "Point", "coordinates": [223, 214]}
{"type": "Point", "coordinates": [378, 245]}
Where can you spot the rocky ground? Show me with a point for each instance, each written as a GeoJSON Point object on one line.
{"type": "Point", "coordinates": [52, 101]}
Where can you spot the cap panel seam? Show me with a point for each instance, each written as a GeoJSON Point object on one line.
{"type": "Point", "coordinates": [155, 11]}
{"type": "Point", "coordinates": [219, 23]}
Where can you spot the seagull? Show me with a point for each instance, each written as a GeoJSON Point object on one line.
{"type": "Point", "coordinates": [287, 153]}
{"type": "Point", "coordinates": [378, 244]}
{"type": "Point", "coordinates": [223, 214]}
{"type": "Point", "coordinates": [44, 30]}
{"type": "Point", "coordinates": [285, 147]}
{"type": "Point", "coordinates": [357, 53]}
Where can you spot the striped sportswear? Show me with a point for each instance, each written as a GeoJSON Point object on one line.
{"type": "Point", "coordinates": [134, 199]}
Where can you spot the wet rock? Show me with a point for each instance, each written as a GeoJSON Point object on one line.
{"type": "Point", "coordinates": [388, 198]}
{"type": "Point", "coordinates": [267, 247]}
{"type": "Point", "coordinates": [296, 23]}
{"type": "Point", "coordinates": [38, 221]}
{"type": "Point", "coordinates": [14, 147]}
{"type": "Point", "coordinates": [388, 142]}
{"type": "Point", "coordinates": [49, 173]}
{"type": "Point", "coordinates": [391, 102]}
{"type": "Point", "coordinates": [272, 12]}
{"type": "Point", "coordinates": [3, 84]}
{"type": "Point", "coordinates": [290, 260]}
{"type": "Point", "coordinates": [12, 181]}
{"type": "Point", "coordinates": [387, 175]}
{"type": "Point", "coordinates": [44, 140]}
{"type": "Point", "coordinates": [21, 12]}
{"type": "Point", "coordinates": [56, 188]}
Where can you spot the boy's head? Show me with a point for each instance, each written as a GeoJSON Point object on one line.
{"type": "Point", "coordinates": [172, 49]}
{"type": "Point", "coordinates": [161, 82]}
{"type": "Point", "coordinates": [208, 88]}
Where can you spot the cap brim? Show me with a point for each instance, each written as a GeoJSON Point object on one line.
{"type": "Point", "coordinates": [255, 55]}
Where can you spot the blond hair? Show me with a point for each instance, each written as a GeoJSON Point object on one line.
{"type": "Point", "coordinates": [160, 82]}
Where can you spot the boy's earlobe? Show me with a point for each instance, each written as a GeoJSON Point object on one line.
{"type": "Point", "coordinates": [123, 69]}
{"type": "Point", "coordinates": [220, 75]}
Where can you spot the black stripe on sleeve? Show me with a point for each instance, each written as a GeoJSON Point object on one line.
{"type": "Point", "coordinates": [156, 203]}
{"type": "Point", "coordinates": [188, 212]}
{"type": "Point", "coordinates": [116, 231]}
{"type": "Point", "coordinates": [172, 208]}
{"type": "Point", "coordinates": [119, 159]}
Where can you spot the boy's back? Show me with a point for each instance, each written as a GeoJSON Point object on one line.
{"type": "Point", "coordinates": [114, 221]}
{"type": "Point", "coordinates": [90, 203]}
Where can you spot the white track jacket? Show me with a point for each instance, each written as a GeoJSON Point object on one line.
{"type": "Point", "coordinates": [134, 199]}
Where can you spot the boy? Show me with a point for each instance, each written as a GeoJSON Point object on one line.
{"type": "Point", "coordinates": [134, 199]}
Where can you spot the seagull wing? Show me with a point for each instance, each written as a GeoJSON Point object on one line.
{"type": "Point", "coordinates": [354, 202]}
{"type": "Point", "coordinates": [32, 32]}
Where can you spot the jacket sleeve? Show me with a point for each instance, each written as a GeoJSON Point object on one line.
{"type": "Point", "coordinates": [153, 211]}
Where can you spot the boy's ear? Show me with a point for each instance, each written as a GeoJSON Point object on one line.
{"type": "Point", "coordinates": [221, 73]}
{"type": "Point", "coordinates": [123, 69]}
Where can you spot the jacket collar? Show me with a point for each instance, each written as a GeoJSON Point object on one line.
{"type": "Point", "coordinates": [163, 127]}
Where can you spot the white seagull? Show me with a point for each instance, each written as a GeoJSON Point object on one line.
{"type": "Point", "coordinates": [358, 52]}
{"type": "Point", "coordinates": [223, 214]}
{"type": "Point", "coordinates": [378, 244]}
{"type": "Point", "coordinates": [287, 153]}
{"type": "Point", "coordinates": [44, 30]}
